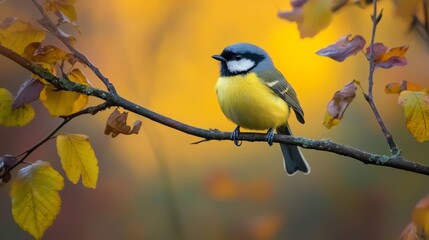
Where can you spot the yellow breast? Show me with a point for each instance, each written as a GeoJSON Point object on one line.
{"type": "Point", "coordinates": [249, 103]}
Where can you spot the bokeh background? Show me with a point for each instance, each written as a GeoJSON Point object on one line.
{"type": "Point", "coordinates": [157, 185]}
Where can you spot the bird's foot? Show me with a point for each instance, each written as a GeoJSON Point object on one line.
{"type": "Point", "coordinates": [270, 136]}
{"type": "Point", "coordinates": [234, 136]}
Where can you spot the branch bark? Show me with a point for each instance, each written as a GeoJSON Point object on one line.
{"type": "Point", "coordinates": [394, 161]}
{"type": "Point", "coordinates": [394, 150]}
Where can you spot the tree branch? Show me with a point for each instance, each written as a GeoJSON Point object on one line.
{"type": "Point", "coordinates": [90, 110]}
{"type": "Point", "coordinates": [394, 150]}
{"type": "Point", "coordinates": [394, 161]}
{"type": "Point", "coordinates": [53, 28]}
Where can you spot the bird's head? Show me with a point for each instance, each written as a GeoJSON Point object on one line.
{"type": "Point", "coordinates": [242, 58]}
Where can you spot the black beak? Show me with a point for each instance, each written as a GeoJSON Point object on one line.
{"type": "Point", "coordinates": [219, 58]}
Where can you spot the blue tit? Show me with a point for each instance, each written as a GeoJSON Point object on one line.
{"type": "Point", "coordinates": [255, 95]}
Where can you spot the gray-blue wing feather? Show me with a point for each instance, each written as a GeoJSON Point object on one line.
{"type": "Point", "coordinates": [275, 80]}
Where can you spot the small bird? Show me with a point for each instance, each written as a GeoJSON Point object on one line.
{"type": "Point", "coordinates": [255, 95]}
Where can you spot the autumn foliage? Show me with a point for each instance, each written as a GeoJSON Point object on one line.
{"type": "Point", "coordinates": [35, 189]}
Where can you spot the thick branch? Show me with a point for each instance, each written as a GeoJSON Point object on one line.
{"type": "Point", "coordinates": [395, 161]}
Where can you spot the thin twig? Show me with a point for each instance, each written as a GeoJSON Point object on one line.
{"type": "Point", "coordinates": [201, 141]}
{"type": "Point", "coordinates": [394, 161]}
{"type": "Point", "coordinates": [371, 50]}
{"type": "Point", "coordinates": [394, 150]}
{"type": "Point", "coordinates": [53, 28]}
{"type": "Point", "coordinates": [90, 110]}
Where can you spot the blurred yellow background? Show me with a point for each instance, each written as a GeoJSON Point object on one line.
{"type": "Point", "coordinates": [157, 54]}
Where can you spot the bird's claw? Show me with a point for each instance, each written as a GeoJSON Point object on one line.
{"type": "Point", "coordinates": [270, 136]}
{"type": "Point", "coordinates": [234, 136]}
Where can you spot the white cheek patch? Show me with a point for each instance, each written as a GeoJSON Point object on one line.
{"type": "Point", "coordinates": [241, 65]}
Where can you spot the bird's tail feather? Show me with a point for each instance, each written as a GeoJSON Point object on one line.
{"type": "Point", "coordinates": [293, 159]}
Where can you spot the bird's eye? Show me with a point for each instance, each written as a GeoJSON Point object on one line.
{"type": "Point", "coordinates": [238, 57]}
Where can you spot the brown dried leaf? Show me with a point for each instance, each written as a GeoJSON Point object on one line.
{"type": "Point", "coordinates": [48, 54]}
{"type": "Point", "coordinates": [136, 127]}
{"type": "Point", "coordinates": [338, 105]}
{"type": "Point", "coordinates": [117, 124]}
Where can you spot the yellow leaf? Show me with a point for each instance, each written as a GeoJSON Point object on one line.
{"type": "Point", "coordinates": [35, 198]}
{"type": "Point", "coordinates": [329, 121]}
{"type": "Point", "coordinates": [78, 159]}
{"type": "Point", "coordinates": [13, 117]}
{"type": "Point", "coordinates": [16, 35]}
{"type": "Point", "coordinates": [397, 52]}
{"type": "Point", "coordinates": [60, 103]}
{"type": "Point", "coordinates": [416, 110]}
{"type": "Point", "coordinates": [396, 88]}
{"type": "Point", "coordinates": [49, 54]}
{"type": "Point", "coordinates": [66, 7]}
{"type": "Point", "coordinates": [317, 15]}
{"type": "Point", "coordinates": [311, 16]}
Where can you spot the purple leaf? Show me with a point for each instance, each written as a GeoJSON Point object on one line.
{"type": "Point", "coordinates": [377, 50]}
{"type": "Point", "coordinates": [297, 3]}
{"type": "Point", "coordinates": [387, 58]}
{"type": "Point", "coordinates": [343, 48]}
{"type": "Point", "coordinates": [28, 92]}
{"type": "Point", "coordinates": [294, 15]}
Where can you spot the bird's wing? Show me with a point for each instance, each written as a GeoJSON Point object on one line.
{"type": "Point", "coordinates": [275, 80]}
